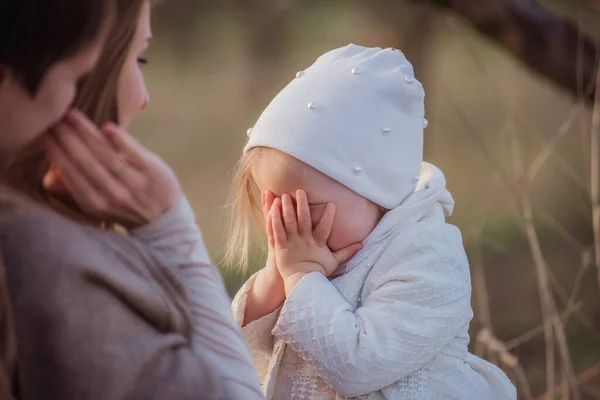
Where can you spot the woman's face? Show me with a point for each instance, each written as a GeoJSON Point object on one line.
{"type": "Point", "coordinates": [132, 96]}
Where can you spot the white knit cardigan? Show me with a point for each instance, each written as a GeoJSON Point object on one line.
{"type": "Point", "coordinates": [392, 324]}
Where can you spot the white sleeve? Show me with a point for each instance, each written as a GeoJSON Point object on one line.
{"type": "Point", "coordinates": [257, 333]}
{"type": "Point", "coordinates": [400, 327]}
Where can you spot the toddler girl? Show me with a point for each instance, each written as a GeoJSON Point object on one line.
{"type": "Point", "coordinates": [366, 291]}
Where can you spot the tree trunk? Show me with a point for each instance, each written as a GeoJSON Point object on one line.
{"type": "Point", "coordinates": [543, 41]}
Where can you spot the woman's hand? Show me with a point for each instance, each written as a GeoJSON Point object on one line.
{"type": "Point", "coordinates": [107, 173]}
{"type": "Point", "coordinates": [300, 249]}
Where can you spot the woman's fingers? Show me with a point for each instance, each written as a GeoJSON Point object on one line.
{"type": "Point", "coordinates": [76, 184]}
{"type": "Point", "coordinates": [144, 169]}
{"type": "Point", "coordinates": [85, 195]}
{"type": "Point", "coordinates": [289, 216]}
{"type": "Point", "coordinates": [303, 211]}
{"type": "Point", "coordinates": [110, 172]}
{"type": "Point", "coordinates": [279, 234]}
{"type": "Point", "coordinates": [115, 150]}
{"type": "Point", "coordinates": [81, 123]}
{"type": "Point", "coordinates": [323, 228]}
{"type": "Point", "coordinates": [343, 255]}
{"type": "Point", "coordinates": [125, 144]}
{"type": "Point", "coordinates": [76, 160]}
{"type": "Point", "coordinates": [87, 132]}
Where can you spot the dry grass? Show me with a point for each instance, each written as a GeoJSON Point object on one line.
{"type": "Point", "coordinates": [562, 380]}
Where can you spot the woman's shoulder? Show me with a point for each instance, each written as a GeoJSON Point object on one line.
{"type": "Point", "coordinates": [31, 227]}
{"type": "Point", "coordinates": [32, 235]}
{"type": "Point", "coordinates": [47, 255]}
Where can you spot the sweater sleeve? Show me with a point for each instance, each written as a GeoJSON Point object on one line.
{"type": "Point", "coordinates": [257, 333]}
{"type": "Point", "coordinates": [177, 237]}
{"type": "Point", "coordinates": [87, 330]}
{"type": "Point", "coordinates": [398, 328]}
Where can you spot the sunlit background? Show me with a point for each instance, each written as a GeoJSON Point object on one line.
{"type": "Point", "coordinates": [215, 65]}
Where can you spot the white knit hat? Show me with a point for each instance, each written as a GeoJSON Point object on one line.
{"type": "Point", "coordinates": [356, 115]}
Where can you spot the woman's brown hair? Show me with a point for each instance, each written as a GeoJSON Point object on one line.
{"type": "Point", "coordinates": [96, 97]}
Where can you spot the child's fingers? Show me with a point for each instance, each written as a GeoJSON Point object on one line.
{"type": "Point", "coordinates": [304, 221]}
{"type": "Point", "coordinates": [270, 239]}
{"type": "Point", "coordinates": [342, 256]}
{"type": "Point", "coordinates": [289, 216]}
{"type": "Point", "coordinates": [279, 235]}
{"type": "Point", "coordinates": [126, 145]}
{"type": "Point", "coordinates": [268, 199]}
{"type": "Point", "coordinates": [323, 228]}
{"type": "Point", "coordinates": [275, 206]}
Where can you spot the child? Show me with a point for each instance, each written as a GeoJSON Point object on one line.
{"type": "Point", "coordinates": [366, 291]}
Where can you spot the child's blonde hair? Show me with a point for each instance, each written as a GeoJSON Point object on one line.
{"type": "Point", "coordinates": [245, 211]}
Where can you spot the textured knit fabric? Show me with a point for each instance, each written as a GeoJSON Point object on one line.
{"type": "Point", "coordinates": [216, 336]}
{"type": "Point", "coordinates": [356, 115]}
{"type": "Point", "coordinates": [390, 324]}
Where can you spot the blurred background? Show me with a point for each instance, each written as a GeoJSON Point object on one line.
{"type": "Point", "coordinates": [510, 101]}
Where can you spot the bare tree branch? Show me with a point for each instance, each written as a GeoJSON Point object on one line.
{"type": "Point", "coordinates": [545, 42]}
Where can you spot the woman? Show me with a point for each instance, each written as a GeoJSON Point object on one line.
{"type": "Point", "coordinates": [117, 299]}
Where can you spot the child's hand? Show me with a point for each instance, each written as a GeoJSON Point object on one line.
{"type": "Point", "coordinates": [300, 249]}
{"type": "Point", "coordinates": [268, 291]}
{"type": "Point", "coordinates": [269, 201]}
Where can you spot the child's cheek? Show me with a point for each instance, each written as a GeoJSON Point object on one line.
{"type": "Point", "coordinates": [347, 231]}
{"type": "Point", "coordinates": [341, 236]}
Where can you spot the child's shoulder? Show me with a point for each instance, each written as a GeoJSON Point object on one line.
{"type": "Point", "coordinates": [425, 251]}
{"type": "Point", "coordinates": [430, 236]}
